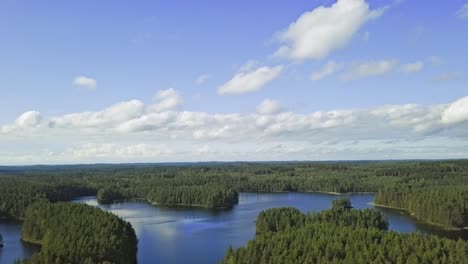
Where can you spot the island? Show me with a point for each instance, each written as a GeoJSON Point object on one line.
{"type": "Point", "coordinates": [340, 235]}
{"type": "Point", "coordinates": [433, 191]}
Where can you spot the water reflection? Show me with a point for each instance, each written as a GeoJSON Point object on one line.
{"type": "Point", "coordinates": [13, 246]}
{"type": "Point", "coordinates": [189, 235]}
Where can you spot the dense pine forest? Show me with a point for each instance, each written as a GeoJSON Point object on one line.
{"type": "Point", "coordinates": [340, 235]}
{"type": "Point", "coordinates": [435, 191]}
{"type": "Point", "coordinates": [78, 233]}
{"type": "Point", "coordinates": [341, 213]}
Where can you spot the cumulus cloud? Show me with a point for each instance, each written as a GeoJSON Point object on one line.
{"type": "Point", "coordinates": [166, 100]}
{"type": "Point", "coordinates": [463, 12]}
{"type": "Point", "coordinates": [25, 120]}
{"type": "Point", "coordinates": [269, 121]}
{"type": "Point", "coordinates": [456, 112]}
{"type": "Point", "coordinates": [371, 68]}
{"type": "Point", "coordinates": [106, 118]}
{"type": "Point", "coordinates": [131, 130]}
{"type": "Point", "coordinates": [28, 119]}
{"type": "Point", "coordinates": [328, 69]}
{"type": "Point", "coordinates": [250, 81]}
{"type": "Point", "coordinates": [269, 107]}
{"type": "Point", "coordinates": [86, 82]}
{"type": "Point", "coordinates": [202, 79]}
{"type": "Point", "coordinates": [412, 67]}
{"type": "Point", "coordinates": [317, 33]}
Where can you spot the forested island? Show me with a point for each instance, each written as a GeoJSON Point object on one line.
{"type": "Point", "coordinates": [434, 191]}
{"type": "Point", "coordinates": [78, 233]}
{"type": "Point", "coordinates": [340, 235]}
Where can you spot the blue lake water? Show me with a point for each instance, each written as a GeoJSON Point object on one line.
{"type": "Point", "coordinates": [188, 235]}
{"type": "Point", "coordinates": [13, 246]}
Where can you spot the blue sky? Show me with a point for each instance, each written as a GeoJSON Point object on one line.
{"type": "Point", "coordinates": [232, 80]}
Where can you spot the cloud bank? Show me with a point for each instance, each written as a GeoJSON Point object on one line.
{"type": "Point", "coordinates": [163, 131]}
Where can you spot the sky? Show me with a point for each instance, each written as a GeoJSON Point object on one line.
{"type": "Point", "coordinates": [180, 81]}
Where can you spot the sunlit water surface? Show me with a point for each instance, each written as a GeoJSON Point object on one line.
{"type": "Point", "coordinates": [188, 235]}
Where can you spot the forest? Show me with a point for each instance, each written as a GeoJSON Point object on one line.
{"type": "Point", "coordinates": [341, 213]}
{"type": "Point", "coordinates": [78, 233]}
{"type": "Point", "coordinates": [340, 235]}
{"type": "Point", "coordinates": [434, 191]}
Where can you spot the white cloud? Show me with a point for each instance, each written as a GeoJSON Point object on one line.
{"type": "Point", "coordinates": [456, 112]}
{"type": "Point", "coordinates": [250, 81]}
{"type": "Point", "coordinates": [166, 100]}
{"type": "Point", "coordinates": [25, 120]}
{"type": "Point", "coordinates": [315, 34]}
{"type": "Point", "coordinates": [106, 118]}
{"type": "Point", "coordinates": [202, 79]}
{"type": "Point", "coordinates": [86, 82]}
{"type": "Point", "coordinates": [412, 67]}
{"type": "Point", "coordinates": [463, 12]}
{"type": "Point", "coordinates": [132, 131]}
{"type": "Point", "coordinates": [269, 107]}
{"type": "Point", "coordinates": [112, 150]}
{"type": "Point", "coordinates": [371, 68]}
{"type": "Point", "coordinates": [328, 69]}
{"type": "Point", "coordinates": [28, 119]}
{"type": "Point", "coordinates": [249, 65]}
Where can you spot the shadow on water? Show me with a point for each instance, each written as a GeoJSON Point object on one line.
{"type": "Point", "coordinates": [14, 247]}
{"type": "Point", "coordinates": [395, 216]}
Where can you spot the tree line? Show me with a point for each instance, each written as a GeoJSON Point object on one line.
{"type": "Point", "coordinates": [341, 213]}
{"type": "Point", "coordinates": [216, 185]}
{"type": "Point", "coordinates": [78, 233]}
{"type": "Point", "coordinates": [445, 205]}
{"type": "Point", "coordinates": [339, 236]}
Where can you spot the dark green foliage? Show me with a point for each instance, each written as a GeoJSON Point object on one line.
{"type": "Point", "coordinates": [341, 204]}
{"type": "Point", "coordinates": [280, 219]}
{"type": "Point", "coordinates": [400, 184]}
{"type": "Point", "coordinates": [1, 240]}
{"type": "Point", "coordinates": [329, 243]}
{"type": "Point", "coordinates": [445, 205]}
{"type": "Point", "coordinates": [211, 196]}
{"type": "Point", "coordinates": [18, 192]}
{"type": "Point", "coordinates": [342, 236]}
{"type": "Point", "coordinates": [78, 233]}
{"type": "Point", "coordinates": [107, 195]}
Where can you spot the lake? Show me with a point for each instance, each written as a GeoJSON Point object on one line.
{"type": "Point", "coordinates": [13, 246]}
{"type": "Point", "coordinates": [189, 235]}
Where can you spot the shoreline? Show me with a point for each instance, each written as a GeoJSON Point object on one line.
{"type": "Point", "coordinates": [189, 206]}
{"type": "Point", "coordinates": [168, 205]}
{"type": "Point", "coordinates": [31, 241]}
{"type": "Point", "coordinates": [411, 214]}
{"type": "Point", "coordinates": [324, 192]}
